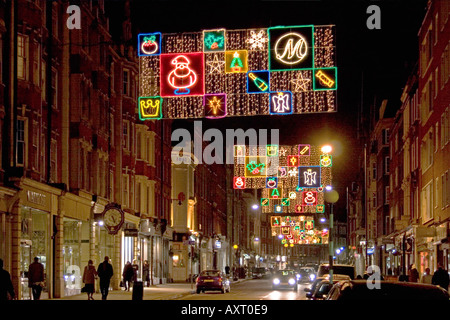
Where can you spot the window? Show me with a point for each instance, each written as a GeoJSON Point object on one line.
{"type": "Point", "coordinates": [43, 80]}
{"type": "Point", "coordinates": [21, 142]}
{"type": "Point", "coordinates": [427, 202]}
{"type": "Point", "coordinates": [126, 134]}
{"type": "Point", "coordinates": [443, 129]}
{"type": "Point", "coordinates": [126, 82]}
{"type": "Point", "coordinates": [42, 155]}
{"type": "Point", "coordinates": [436, 136]}
{"type": "Point", "coordinates": [427, 150]}
{"type": "Point", "coordinates": [36, 63]}
{"type": "Point", "coordinates": [111, 129]}
{"type": "Point", "coordinates": [22, 57]}
{"type": "Point", "coordinates": [35, 141]}
{"type": "Point", "coordinates": [111, 185]}
{"type": "Point", "coordinates": [386, 195]}
{"type": "Point", "coordinates": [374, 200]}
{"type": "Point", "coordinates": [55, 20]}
{"type": "Point", "coordinates": [139, 144]}
{"type": "Point", "coordinates": [55, 88]}
{"type": "Point", "coordinates": [386, 165]}
{"type": "Point", "coordinates": [436, 192]}
{"type": "Point", "coordinates": [125, 193]}
{"type": "Point", "coordinates": [374, 171]}
{"type": "Point", "coordinates": [385, 136]}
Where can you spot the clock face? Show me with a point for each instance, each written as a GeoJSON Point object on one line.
{"type": "Point", "coordinates": [112, 217]}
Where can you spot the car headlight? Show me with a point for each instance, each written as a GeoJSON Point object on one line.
{"type": "Point", "coordinates": [312, 277]}
{"type": "Point", "coordinates": [292, 281]}
{"type": "Point", "coordinates": [276, 281]}
{"type": "Point", "coordinates": [299, 276]}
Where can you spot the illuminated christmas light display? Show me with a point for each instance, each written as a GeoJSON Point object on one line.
{"type": "Point", "coordinates": [150, 108]}
{"type": "Point", "coordinates": [215, 105]}
{"type": "Point", "coordinates": [297, 61]}
{"type": "Point", "coordinates": [184, 74]}
{"type": "Point", "coordinates": [214, 40]}
{"type": "Point", "coordinates": [297, 230]}
{"type": "Point", "coordinates": [149, 44]}
{"type": "Point", "coordinates": [297, 182]}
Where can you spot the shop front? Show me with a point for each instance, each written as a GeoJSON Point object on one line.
{"type": "Point", "coordinates": [34, 228]}
{"type": "Point", "coordinates": [73, 236]}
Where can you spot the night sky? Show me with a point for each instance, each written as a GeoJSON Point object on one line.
{"type": "Point", "coordinates": [372, 64]}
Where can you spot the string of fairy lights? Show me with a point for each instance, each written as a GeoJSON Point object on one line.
{"type": "Point", "coordinates": [222, 60]}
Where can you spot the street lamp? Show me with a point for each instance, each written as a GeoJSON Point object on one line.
{"type": "Point", "coordinates": [326, 149]}
{"type": "Point", "coordinates": [331, 197]}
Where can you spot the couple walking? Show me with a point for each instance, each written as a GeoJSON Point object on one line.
{"type": "Point", "coordinates": [90, 274]}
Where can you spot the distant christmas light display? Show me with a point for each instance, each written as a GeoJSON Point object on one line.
{"type": "Point", "coordinates": [292, 178]}
{"type": "Point", "coordinates": [267, 71]}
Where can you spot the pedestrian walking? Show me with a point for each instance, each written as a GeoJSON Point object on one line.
{"type": "Point", "coordinates": [440, 277]}
{"type": "Point", "coordinates": [146, 273]}
{"type": "Point", "coordinates": [36, 278]}
{"type": "Point", "coordinates": [6, 285]}
{"type": "Point", "coordinates": [413, 273]}
{"type": "Point", "coordinates": [427, 277]}
{"type": "Point", "coordinates": [105, 273]}
{"type": "Point", "coordinates": [136, 271]}
{"type": "Point", "coordinates": [89, 276]}
{"type": "Point", "coordinates": [227, 271]}
{"type": "Point", "coordinates": [127, 275]}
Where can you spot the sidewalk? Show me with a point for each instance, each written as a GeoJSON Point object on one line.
{"type": "Point", "coordinates": [168, 291]}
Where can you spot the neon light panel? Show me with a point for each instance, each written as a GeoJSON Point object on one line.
{"type": "Point", "coordinates": [214, 40]}
{"type": "Point", "coordinates": [324, 79]}
{"type": "Point", "coordinates": [281, 102]}
{"type": "Point", "coordinates": [150, 108]}
{"type": "Point", "coordinates": [291, 48]}
{"type": "Point", "coordinates": [257, 40]}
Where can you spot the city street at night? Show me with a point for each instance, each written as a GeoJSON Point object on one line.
{"type": "Point", "coordinates": [216, 159]}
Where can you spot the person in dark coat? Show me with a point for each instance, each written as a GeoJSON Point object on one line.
{"type": "Point", "coordinates": [89, 276]}
{"type": "Point", "coordinates": [440, 277]}
{"type": "Point", "coordinates": [105, 273]}
{"type": "Point", "coordinates": [127, 274]}
{"type": "Point", "coordinates": [36, 278]}
{"type": "Point", "coordinates": [146, 273]}
{"type": "Point", "coordinates": [6, 285]}
{"type": "Point", "coordinates": [413, 274]}
{"type": "Point", "coordinates": [136, 270]}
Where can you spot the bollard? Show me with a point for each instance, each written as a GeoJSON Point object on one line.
{"type": "Point", "coordinates": [138, 290]}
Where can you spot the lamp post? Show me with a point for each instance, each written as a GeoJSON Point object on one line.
{"type": "Point", "coordinates": [331, 197]}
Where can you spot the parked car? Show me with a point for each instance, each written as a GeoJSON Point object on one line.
{"type": "Point", "coordinates": [388, 290]}
{"type": "Point", "coordinates": [212, 280]}
{"type": "Point", "coordinates": [306, 274]}
{"type": "Point", "coordinates": [312, 292]}
{"type": "Point", "coordinates": [344, 269]}
{"type": "Point", "coordinates": [284, 279]}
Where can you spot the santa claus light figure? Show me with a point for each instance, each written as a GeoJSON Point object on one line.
{"type": "Point", "coordinates": [182, 77]}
